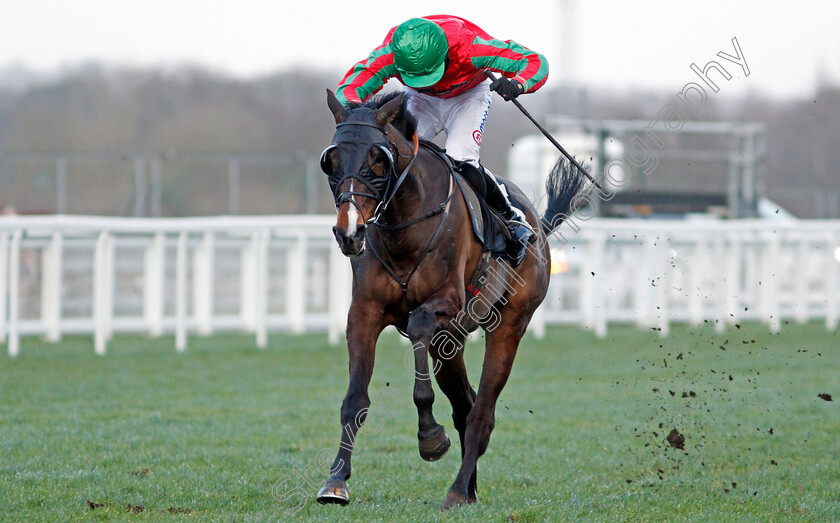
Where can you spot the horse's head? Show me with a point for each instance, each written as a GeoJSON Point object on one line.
{"type": "Point", "coordinates": [361, 165]}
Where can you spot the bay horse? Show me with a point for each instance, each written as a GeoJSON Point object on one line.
{"type": "Point", "coordinates": [413, 254]}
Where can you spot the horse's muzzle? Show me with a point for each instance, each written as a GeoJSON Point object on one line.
{"type": "Point", "coordinates": [352, 245]}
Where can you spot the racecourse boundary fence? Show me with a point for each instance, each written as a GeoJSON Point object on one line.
{"type": "Point", "coordinates": [100, 276]}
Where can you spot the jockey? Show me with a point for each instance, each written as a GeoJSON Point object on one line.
{"type": "Point", "coordinates": [440, 60]}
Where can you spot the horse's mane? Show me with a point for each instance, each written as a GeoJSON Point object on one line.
{"type": "Point", "coordinates": [405, 122]}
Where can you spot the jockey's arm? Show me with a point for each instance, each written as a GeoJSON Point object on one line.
{"type": "Point", "coordinates": [512, 60]}
{"type": "Point", "coordinates": [368, 76]}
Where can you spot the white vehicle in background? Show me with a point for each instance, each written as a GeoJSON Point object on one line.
{"type": "Point", "coordinates": [532, 157]}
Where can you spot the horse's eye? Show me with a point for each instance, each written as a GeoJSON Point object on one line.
{"type": "Point", "coordinates": [377, 160]}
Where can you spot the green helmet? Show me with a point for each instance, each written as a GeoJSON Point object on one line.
{"type": "Point", "coordinates": [420, 49]}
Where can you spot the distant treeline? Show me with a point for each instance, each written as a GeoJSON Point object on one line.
{"type": "Point", "coordinates": [99, 109]}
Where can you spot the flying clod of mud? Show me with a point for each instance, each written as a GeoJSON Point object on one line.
{"type": "Point", "coordinates": [676, 440]}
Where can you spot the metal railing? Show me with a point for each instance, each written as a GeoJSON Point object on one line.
{"type": "Point", "coordinates": [172, 183]}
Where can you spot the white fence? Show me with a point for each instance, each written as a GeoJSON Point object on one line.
{"type": "Point", "coordinates": [100, 276]}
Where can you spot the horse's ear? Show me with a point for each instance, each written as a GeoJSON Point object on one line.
{"type": "Point", "coordinates": [335, 106]}
{"type": "Point", "coordinates": [386, 114]}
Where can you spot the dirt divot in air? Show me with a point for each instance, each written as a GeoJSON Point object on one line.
{"type": "Point", "coordinates": [676, 440]}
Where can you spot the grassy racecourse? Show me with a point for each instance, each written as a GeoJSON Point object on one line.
{"type": "Point", "coordinates": [581, 430]}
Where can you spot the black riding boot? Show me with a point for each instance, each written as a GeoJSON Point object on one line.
{"type": "Point", "coordinates": [520, 233]}
{"type": "Point", "coordinates": [519, 230]}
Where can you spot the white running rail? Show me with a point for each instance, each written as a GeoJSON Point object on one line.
{"type": "Point", "coordinates": [195, 276]}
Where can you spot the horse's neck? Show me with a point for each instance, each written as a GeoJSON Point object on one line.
{"type": "Point", "coordinates": [418, 195]}
{"type": "Point", "coordinates": [406, 204]}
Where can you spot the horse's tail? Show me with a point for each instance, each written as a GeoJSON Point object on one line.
{"type": "Point", "coordinates": [564, 183]}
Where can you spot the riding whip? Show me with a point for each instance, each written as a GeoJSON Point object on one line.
{"type": "Point", "coordinates": [547, 134]}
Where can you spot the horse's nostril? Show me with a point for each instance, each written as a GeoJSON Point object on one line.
{"type": "Point", "coordinates": [360, 233]}
{"type": "Point", "coordinates": [339, 235]}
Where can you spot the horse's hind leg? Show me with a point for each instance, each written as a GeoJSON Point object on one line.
{"type": "Point", "coordinates": [448, 354]}
{"type": "Point", "coordinates": [502, 344]}
{"type": "Point", "coordinates": [422, 325]}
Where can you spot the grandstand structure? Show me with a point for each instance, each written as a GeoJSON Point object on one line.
{"type": "Point", "coordinates": [657, 169]}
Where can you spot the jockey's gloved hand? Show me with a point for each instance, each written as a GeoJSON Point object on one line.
{"type": "Point", "coordinates": [509, 89]}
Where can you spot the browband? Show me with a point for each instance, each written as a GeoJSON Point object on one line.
{"type": "Point", "coordinates": [369, 124]}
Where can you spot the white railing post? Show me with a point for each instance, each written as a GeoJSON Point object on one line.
{"type": "Point", "coordinates": [4, 283]}
{"type": "Point", "coordinates": [732, 285]}
{"type": "Point", "coordinates": [318, 287]}
{"type": "Point", "coordinates": [591, 274]}
{"type": "Point", "coordinates": [751, 267]}
{"type": "Point", "coordinates": [261, 282]}
{"type": "Point", "coordinates": [296, 284]}
{"type": "Point", "coordinates": [51, 287]}
{"type": "Point", "coordinates": [800, 292]}
{"type": "Point", "coordinates": [203, 284]}
{"type": "Point", "coordinates": [720, 287]}
{"type": "Point", "coordinates": [110, 276]}
{"type": "Point", "coordinates": [696, 267]}
{"type": "Point", "coordinates": [340, 278]}
{"type": "Point", "coordinates": [586, 284]}
{"type": "Point", "coordinates": [832, 248]}
{"type": "Point", "coordinates": [644, 281]}
{"type": "Point", "coordinates": [248, 283]}
{"type": "Point", "coordinates": [101, 303]}
{"type": "Point", "coordinates": [663, 264]}
{"type": "Point", "coordinates": [770, 277]}
{"type": "Point", "coordinates": [601, 277]}
{"type": "Point", "coordinates": [153, 284]}
{"type": "Point", "coordinates": [181, 293]}
{"type": "Point", "coordinates": [14, 293]}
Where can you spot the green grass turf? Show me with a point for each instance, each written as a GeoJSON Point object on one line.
{"type": "Point", "coordinates": [581, 430]}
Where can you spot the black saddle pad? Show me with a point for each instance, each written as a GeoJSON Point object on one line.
{"type": "Point", "coordinates": [496, 233]}
{"type": "Point", "coordinates": [487, 225]}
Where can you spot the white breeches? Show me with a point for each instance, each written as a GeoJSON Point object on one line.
{"type": "Point", "coordinates": [462, 117]}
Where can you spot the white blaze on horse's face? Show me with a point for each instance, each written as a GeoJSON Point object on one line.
{"type": "Point", "coordinates": [352, 215]}
{"type": "Point", "coordinates": [350, 226]}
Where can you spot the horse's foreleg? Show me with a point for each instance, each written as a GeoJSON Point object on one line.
{"type": "Point", "coordinates": [453, 381]}
{"type": "Point", "coordinates": [363, 327]}
{"type": "Point", "coordinates": [422, 325]}
{"type": "Point", "coordinates": [502, 344]}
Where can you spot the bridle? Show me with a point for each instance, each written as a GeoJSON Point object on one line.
{"type": "Point", "coordinates": [362, 133]}
{"type": "Point", "coordinates": [383, 195]}
{"type": "Point", "coordinates": [379, 192]}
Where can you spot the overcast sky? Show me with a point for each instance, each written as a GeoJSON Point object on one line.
{"type": "Point", "coordinates": [788, 46]}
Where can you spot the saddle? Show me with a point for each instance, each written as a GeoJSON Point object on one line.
{"type": "Point", "coordinates": [489, 228]}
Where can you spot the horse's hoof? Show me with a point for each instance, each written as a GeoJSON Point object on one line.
{"type": "Point", "coordinates": [334, 491]}
{"type": "Point", "coordinates": [435, 447]}
{"type": "Point", "coordinates": [453, 499]}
